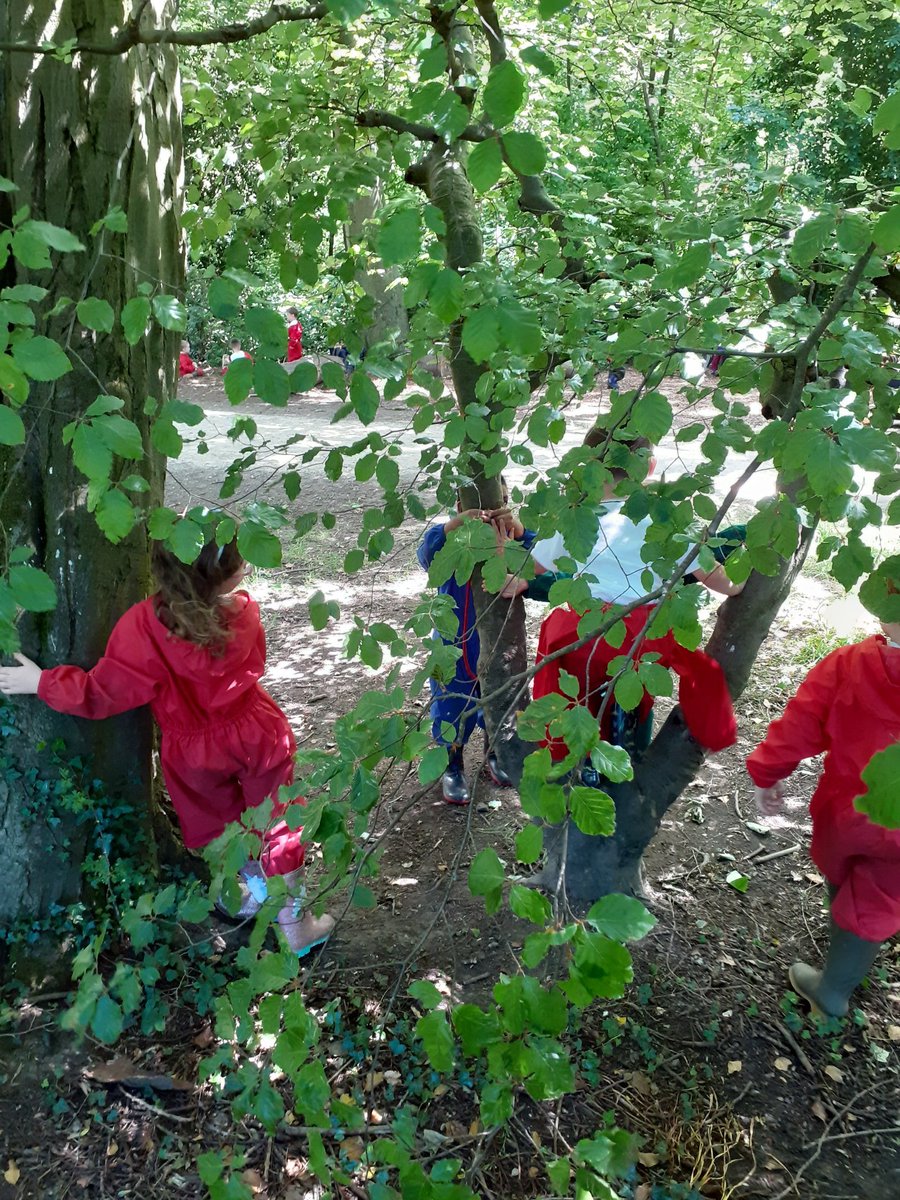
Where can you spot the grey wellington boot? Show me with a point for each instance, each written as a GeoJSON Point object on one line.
{"type": "Point", "coordinates": [847, 963]}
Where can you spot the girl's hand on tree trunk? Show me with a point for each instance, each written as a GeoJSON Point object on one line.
{"type": "Point", "coordinates": [22, 680]}
{"type": "Point", "coordinates": [770, 800]}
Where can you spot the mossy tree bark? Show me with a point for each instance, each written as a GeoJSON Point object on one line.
{"type": "Point", "coordinates": [78, 139]}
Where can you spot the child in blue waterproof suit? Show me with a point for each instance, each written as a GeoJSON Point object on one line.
{"type": "Point", "coordinates": [457, 703]}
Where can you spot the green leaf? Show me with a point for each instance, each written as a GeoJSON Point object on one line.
{"type": "Point", "coordinates": [628, 690]}
{"type": "Point", "coordinates": [224, 299]}
{"type": "Point", "coordinates": [41, 358]}
{"type": "Point", "coordinates": [432, 765]}
{"type": "Point", "coordinates": [881, 800]}
{"type": "Point", "coordinates": [739, 882]}
{"type": "Point", "coordinates": [651, 416]}
{"type": "Point", "coordinates": [106, 1023]}
{"type": "Point", "coordinates": [519, 326]}
{"type": "Point", "coordinates": [447, 295]}
{"type": "Point", "coordinates": [12, 381]}
{"type": "Point", "coordinates": [475, 1028]}
{"type": "Point", "coordinates": [258, 546]}
{"type": "Point", "coordinates": [525, 152]}
{"type": "Point", "coordinates": [311, 1090]}
{"type": "Point", "coordinates": [32, 589]}
{"type": "Point", "coordinates": [186, 539]}
{"type": "Point", "coordinates": [54, 237]}
{"type": "Point", "coordinates": [621, 917]}
{"type": "Point", "coordinates": [593, 811]}
{"type": "Point", "coordinates": [399, 238]}
{"type": "Point", "coordinates": [485, 165]}
{"type": "Point", "coordinates": [364, 397]}
{"type": "Point", "coordinates": [166, 438]}
{"type": "Point", "coordinates": [134, 318]}
{"type": "Point", "coordinates": [486, 877]}
{"type": "Point", "coordinates": [811, 239]}
{"type": "Point", "coordinates": [12, 430]}
{"type": "Point", "coordinates": [886, 234]}
{"type": "Point", "coordinates": [437, 1038]}
{"type": "Point", "coordinates": [496, 1103]}
{"type": "Point", "coordinates": [504, 92]}
{"type": "Point", "coordinates": [535, 57]}
{"type": "Point", "coordinates": [613, 762]}
{"type": "Point", "coordinates": [425, 992]}
{"type": "Point", "coordinates": [887, 117]}
{"type": "Point", "coordinates": [481, 333]}
{"type": "Point", "coordinates": [90, 453]}
{"type": "Point", "coordinates": [121, 436]}
{"type": "Point", "coordinates": [854, 233]}
{"type": "Point", "coordinates": [271, 381]}
{"type": "Point", "coordinates": [29, 250]}
{"type": "Point", "coordinates": [305, 375]}
{"type": "Point", "coordinates": [170, 312]}
{"type": "Point", "coordinates": [96, 314]}
{"type": "Point", "coordinates": [116, 515]}
{"type": "Point", "coordinates": [529, 844]}
{"type": "Point", "coordinates": [691, 267]}
{"type": "Point", "coordinates": [529, 904]}
{"type": "Point", "coordinates": [239, 380]}
{"type": "Point", "coordinates": [269, 330]}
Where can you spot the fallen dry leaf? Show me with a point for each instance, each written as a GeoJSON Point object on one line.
{"type": "Point", "coordinates": [893, 1032]}
{"type": "Point", "coordinates": [642, 1191]}
{"type": "Point", "coordinates": [441, 1090]}
{"type": "Point", "coordinates": [123, 1071]}
{"type": "Point", "coordinates": [204, 1038]}
{"type": "Point", "coordinates": [648, 1160]}
{"type": "Point", "coordinates": [392, 1078]}
{"type": "Point", "coordinates": [818, 1110]}
{"type": "Point", "coordinates": [353, 1148]}
{"type": "Point", "coordinates": [111, 1149]}
{"type": "Point", "coordinates": [734, 1066]}
{"type": "Point", "coordinates": [12, 1172]}
{"type": "Point", "coordinates": [373, 1079]}
{"type": "Point", "coordinates": [640, 1083]}
{"type": "Point", "coordinates": [835, 1073]}
{"type": "Point", "coordinates": [536, 1138]}
{"type": "Point", "coordinates": [254, 1182]}
{"type": "Point", "coordinates": [474, 1128]}
{"type": "Point", "coordinates": [782, 1064]}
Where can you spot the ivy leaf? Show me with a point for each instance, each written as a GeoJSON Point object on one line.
{"type": "Point", "coordinates": [399, 238]}
{"type": "Point", "coordinates": [437, 1038]}
{"type": "Point", "coordinates": [486, 877]}
{"type": "Point", "coordinates": [485, 165]}
{"type": "Point", "coordinates": [107, 1021]}
{"type": "Point", "coordinates": [96, 314]}
{"type": "Point", "coordinates": [481, 333]}
{"type": "Point", "coordinates": [593, 811]}
{"type": "Point", "coordinates": [447, 295]}
{"type": "Point", "coordinates": [258, 546]}
{"type": "Point", "coordinates": [881, 800]}
{"type": "Point", "coordinates": [41, 358]}
{"type": "Point", "coordinates": [364, 397]}
{"type": "Point", "coordinates": [12, 430]}
{"type": "Point", "coordinates": [134, 318]}
{"type": "Point", "coordinates": [170, 312]}
{"type": "Point", "coordinates": [32, 589]}
{"type": "Point", "coordinates": [504, 92]}
{"type": "Point", "coordinates": [526, 152]}
{"type": "Point", "coordinates": [621, 917]}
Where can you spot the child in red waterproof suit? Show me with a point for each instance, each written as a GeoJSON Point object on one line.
{"type": "Point", "coordinates": [849, 708]}
{"type": "Point", "coordinates": [194, 651]}
{"type": "Point", "coordinates": [614, 572]}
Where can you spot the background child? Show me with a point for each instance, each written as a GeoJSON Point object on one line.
{"type": "Point", "coordinates": [186, 365]}
{"type": "Point", "coordinates": [457, 702]}
{"type": "Point", "coordinates": [234, 354]}
{"type": "Point", "coordinates": [295, 336]}
{"type": "Point", "coordinates": [195, 652]}
{"type": "Point", "coordinates": [849, 707]}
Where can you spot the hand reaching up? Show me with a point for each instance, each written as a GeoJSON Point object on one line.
{"type": "Point", "coordinates": [22, 680]}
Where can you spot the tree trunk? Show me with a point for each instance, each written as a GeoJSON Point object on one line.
{"type": "Point", "coordinates": [389, 317]}
{"type": "Point", "coordinates": [79, 139]}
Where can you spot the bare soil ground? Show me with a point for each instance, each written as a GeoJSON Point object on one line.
{"type": "Point", "coordinates": [708, 1057]}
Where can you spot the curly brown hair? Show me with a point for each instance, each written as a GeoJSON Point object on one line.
{"type": "Point", "coordinates": [188, 601]}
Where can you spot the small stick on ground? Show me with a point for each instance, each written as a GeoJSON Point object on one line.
{"type": "Point", "coordinates": [796, 1047]}
{"type": "Point", "coordinates": [777, 853]}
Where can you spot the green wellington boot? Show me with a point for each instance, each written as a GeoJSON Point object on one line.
{"type": "Point", "coordinates": [847, 963]}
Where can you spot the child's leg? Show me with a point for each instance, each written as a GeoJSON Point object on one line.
{"type": "Point", "coordinates": [457, 707]}
{"type": "Point", "coordinates": [847, 963]}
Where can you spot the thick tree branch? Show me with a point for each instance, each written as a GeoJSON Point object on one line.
{"type": "Point", "coordinates": [493, 31]}
{"type": "Point", "coordinates": [131, 34]}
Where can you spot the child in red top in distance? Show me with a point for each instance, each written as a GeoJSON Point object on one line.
{"type": "Point", "coordinates": [848, 708]}
{"type": "Point", "coordinates": [186, 365]}
{"type": "Point", "coordinates": [295, 336]}
{"type": "Point", "coordinates": [195, 652]}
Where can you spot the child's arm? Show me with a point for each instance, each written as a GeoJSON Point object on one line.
{"type": "Point", "coordinates": [800, 733]}
{"type": "Point", "coordinates": [717, 581]}
{"type": "Point", "coordinates": [123, 678]}
{"type": "Point", "coordinates": [435, 538]}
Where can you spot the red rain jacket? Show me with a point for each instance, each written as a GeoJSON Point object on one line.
{"type": "Point", "coordinates": [849, 707]}
{"type": "Point", "coordinates": [226, 744]}
{"type": "Point", "coordinates": [702, 690]}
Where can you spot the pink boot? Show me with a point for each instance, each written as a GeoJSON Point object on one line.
{"type": "Point", "coordinates": [303, 932]}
